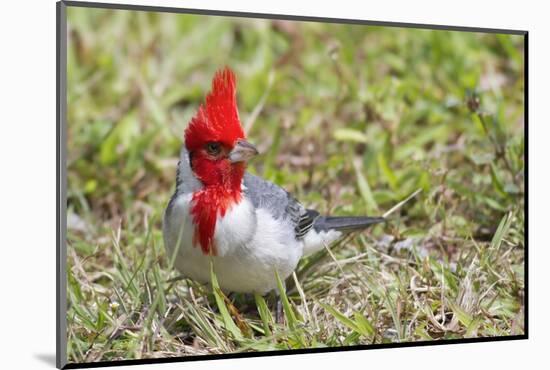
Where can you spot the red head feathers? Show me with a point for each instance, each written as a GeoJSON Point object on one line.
{"type": "Point", "coordinates": [218, 119]}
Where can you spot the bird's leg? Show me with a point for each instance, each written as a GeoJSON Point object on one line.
{"type": "Point", "coordinates": [232, 296]}
{"type": "Point", "coordinates": [279, 316]}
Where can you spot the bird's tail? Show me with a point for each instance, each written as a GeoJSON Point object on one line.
{"type": "Point", "coordinates": [345, 224]}
{"type": "Point", "coordinates": [328, 229]}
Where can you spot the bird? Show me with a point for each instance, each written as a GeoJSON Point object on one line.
{"type": "Point", "coordinates": [248, 229]}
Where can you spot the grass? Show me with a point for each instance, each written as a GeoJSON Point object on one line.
{"type": "Point", "coordinates": [352, 120]}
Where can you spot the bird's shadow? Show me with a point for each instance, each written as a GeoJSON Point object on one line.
{"type": "Point", "coordinates": [47, 358]}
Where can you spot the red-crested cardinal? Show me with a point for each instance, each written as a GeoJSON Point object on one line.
{"type": "Point", "coordinates": [248, 227]}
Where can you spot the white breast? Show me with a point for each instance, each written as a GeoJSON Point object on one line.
{"type": "Point", "coordinates": [236, 228]}
{"type": "Point", "coordinates": [251, 246]}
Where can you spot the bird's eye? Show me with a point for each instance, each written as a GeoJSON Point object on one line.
{"type": "Point", "coordinates": [213, 148]}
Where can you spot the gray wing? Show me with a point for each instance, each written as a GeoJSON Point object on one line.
{"type": "Point", "coordinates": [279, 202]}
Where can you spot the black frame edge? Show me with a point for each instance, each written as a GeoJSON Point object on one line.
{"type": "Point", "coordinates": [226, 13]}
{"type": "Point", "coordinates": [61, 219]}
{"type": "Point", "coordinates": [228, 356]}
{"type": "Point", "coordinates": [526, 184]}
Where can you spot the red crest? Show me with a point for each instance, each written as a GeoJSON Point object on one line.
{"type": "Point", "coordinates": [218, 118]}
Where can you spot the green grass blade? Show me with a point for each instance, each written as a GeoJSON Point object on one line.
{"type": "Point", "coordinates": [287, 308]}
{"type": "Point", "coordinates": [365, 326]}
{"type": "Point", "coordinates": [229, 324]}
{"type": "Point", "coordinates": [349, 134]}
{"type": "Point", "coordinates": [364, 188]}
{"type": "Point", "coordinates": [387, 172]}
{"type": "Point", "coordinates": [265, 314]}
{"type": "Point", "coordinates": [362, 328]}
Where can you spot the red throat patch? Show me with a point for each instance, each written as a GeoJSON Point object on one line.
{"type": "Point", "coordinates": [217, 120]}
{"type": "Point", "coordinates": [208, 204]}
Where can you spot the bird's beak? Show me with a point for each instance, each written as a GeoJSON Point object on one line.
{"type": "Point", "coordinates": [242, 152]}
